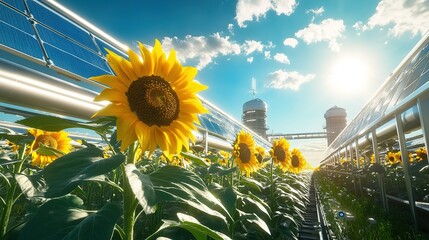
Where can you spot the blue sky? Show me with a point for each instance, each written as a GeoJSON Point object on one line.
{"type": "Point", "coordinates": [306, 56]}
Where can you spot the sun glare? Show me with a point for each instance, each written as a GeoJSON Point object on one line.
{"type": "Point", "coordinates": [349, 74]}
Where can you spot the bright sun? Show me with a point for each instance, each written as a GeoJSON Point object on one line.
{"type": "Point", "coordinates": [349, 74]}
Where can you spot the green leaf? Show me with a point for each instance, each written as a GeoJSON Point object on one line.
{"type": "Point", "coordinates": [98, 226]}
{"type": "Point", "coordinates": [6, 160]}
{"type": "Point", "coordinates": [51, 123]}
{"type": "Point", "coordinates": [191, 224]}
{"type": "Point", "coordinates": [251, 183]}
{"type": "Point", "coordinates": [253, 218]}
{"type": "Point", "coordinates": [142, 188]}
{"type": "Point", "coordinates": [255, 202]}
{"type": "Point", "coordinates": [65, 173]}
{"type": "Point", "coordinates": [227, 171]}
{"type": "Point", "coordinates": [215, 168]}
{"type": "Point", "coordinates": [16, 138]}
{"type": "Point", "coordinates": [173, 183]}
{"type": "Point", "coordinates": [195, 159]}
{"type": "Point", "coordinates": [229, 199]}
{"type": "Point", "coordinates": [54, 219]}
{"type": "Point", "coordinates": [48, 151]}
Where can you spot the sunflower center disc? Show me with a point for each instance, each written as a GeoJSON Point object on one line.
{"type": "Point", "coordinates": [46, 140]}
{"type": "Point", "coordinates": [244, 152]}
{"type": "Point", "coordinates": [392, 159]}
{"type": "Point", "coordinates": [280, 154]}
{"type": "Point", "coordinates": [295, 161]}
{"type": "Point", "coordinates": [153, 100]}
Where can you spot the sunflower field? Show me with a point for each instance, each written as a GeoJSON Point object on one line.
{"type": "Point", "coordinates": [145, 179]}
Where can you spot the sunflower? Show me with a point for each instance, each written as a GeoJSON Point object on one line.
{"type": "Point", "coordinates": [280, 153]}
{"type": "Point", "coordinates": [392, 158]}
{"type": "Point", "coordinates": [154, 99]}
{"type": "Point", "coordinates": [297, 161]}
{"type": "Point", "coordinates": [372, 158]}
{"type": "Point", "coordinates": [260, 155]}
{"type": "Point", "coordinates": [421, 154]}
{"type": "Point", "coordinates": [56, 140]}
{"type": "Point", "coordinates": [223, 158]}
{"type": "Point", "coordinates": [13, 147]}
{"type": "Point", "coordinates": [244, 153]}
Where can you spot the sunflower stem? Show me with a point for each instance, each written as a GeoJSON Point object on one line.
{"type": "Point", "coordinates": [129, 198]}
{"type": "Point", "coordinates": [10, 199]}
{"type": "Point", "coordinates": [271, 187]}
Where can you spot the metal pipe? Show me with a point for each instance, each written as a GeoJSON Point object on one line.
{"type": "Point", "coordinates": [25, 87]}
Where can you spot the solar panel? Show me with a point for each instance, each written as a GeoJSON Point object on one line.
{"type": "Point", "coordinates": [16, 33]}
{"type": "Point", "coordinates": [17, 4]}
{"type": "Point", "coordinates": [56, 22]}
{"type": "Point", "coordinates": [70, 56]}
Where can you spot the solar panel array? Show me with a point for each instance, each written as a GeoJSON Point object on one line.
{"type": "Point", "coordinates": [35, 31]}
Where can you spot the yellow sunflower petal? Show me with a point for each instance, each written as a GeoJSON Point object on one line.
{"type": "Point", "coordinates": [148, 63]}
{"type": "Point", "coordinates": [111, 110]}
{"type": "Point", "coordinates": [115, 63]}
{"type": "Point", "coordinates": [112, 95]}
{"type": "Point", "coordinates": [159, 58]}
{"type": "Point", "coordinates": [110, 81]}
{"type": "Point", "coordinates": [136, 63]}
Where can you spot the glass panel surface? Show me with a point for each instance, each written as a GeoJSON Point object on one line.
{"type": "Point", "coordinates": [15, 19]}
{"type": "Point", "coordinates": [49, 18]}
{"type": "Point", "coordinates": [72, 57]}
{"type": "Point", "coordinates": [16, 33]}
{"type": "Point", "coordinates": [17, 4]}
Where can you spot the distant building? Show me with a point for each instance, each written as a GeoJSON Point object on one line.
{"type": "Point", "coordinates": [336, 121]}
{"type": "Point", "coordinates": [255, 115]}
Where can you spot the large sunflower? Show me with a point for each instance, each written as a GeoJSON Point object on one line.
{"type": "Point", "coordinates": [280, 153]}
{"type": "Point", "coordinates": [297, 161]}
{"type": "Point", "coordinates": [153, 98]}
{"type": "Point", "coordinates": [244, 153]}
{"type": "Point", "coordinates": [57, 140]}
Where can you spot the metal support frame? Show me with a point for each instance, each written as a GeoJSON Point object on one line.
{"type": "Point", "coordinates": [423, 108]}
{"type": "Point", "coordinates": [405, 166]}
{"type": "Point", "coordinates": [380, 176]}
{"type": "Point", "coordinates": [358, 166]}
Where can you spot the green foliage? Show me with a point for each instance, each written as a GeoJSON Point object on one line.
{"type": "Point", "coordinates": [191, 224]}
{"type": "Point", "coordinates": [54, 124]}
{"type": "Point", "coordinates": [82, 195]}
{"type": "Point", "coordinates": [67, 172]}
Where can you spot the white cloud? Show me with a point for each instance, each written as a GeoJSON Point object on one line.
{"type": "Point", "coordinates": [405, 16]}
{"type": "Point", "coordinates": [360, 27]}
{"type": "Point", "coordinates": [248, 10]}
{"type": "Point", "coordinates": [328, 30]}
{"type": "Point", "coordinates": [250, 59]}
{"type": "Point", "coordinates": [317, 11]}
{"type": "Point", "coordinates": [200, 48]}
{"type": "Point", "coordinates": [231, 28]}
{"type": "Point", "coordinates": [291, 42]}
{"type": "Point", "coordinates": [285, 7]}
{"type": "Point", "coordinates": [267, 54]}
{"type": "Point", "coordinates": [282, 58]}
{"type": "Point", "coordinates": [251, 46]}
{"type": "Point", "coordinates": [287, 80]}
